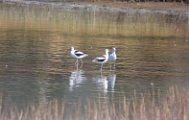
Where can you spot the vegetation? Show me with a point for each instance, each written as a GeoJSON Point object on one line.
{"type": "Point", "coordinates": [90, 23]}
{"type": "Point", "coordinates": [172, 106]}
{"type": "Point", "coordinates": [183, 1]}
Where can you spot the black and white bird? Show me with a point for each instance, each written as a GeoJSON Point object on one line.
{"type": "Point", "coordinates": [102, 59]}
{"type": "Point", "coordinates": [112, 57]}
{"type": "Point", "coordinates": [77, 54]}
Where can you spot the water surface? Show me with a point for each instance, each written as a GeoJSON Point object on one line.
{"type": "Point", "coordinates": [152, 50]}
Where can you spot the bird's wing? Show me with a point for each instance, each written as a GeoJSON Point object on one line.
{"type": "Point", "coordinates": [79, 53]}
{"type": "Point", "coordinates": [102, 58]}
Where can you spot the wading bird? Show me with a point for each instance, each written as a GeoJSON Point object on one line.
{"type": "Point", "coordinates": [78, 55]}
{"type": "Point", "coordinates": [112, 57]}
{"type": "Point", "coordinates": [103, 59]}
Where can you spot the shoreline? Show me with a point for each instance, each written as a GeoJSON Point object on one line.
{"type": "Point", "coordinates": [114, 7]}
{"type": "Point", "coordinates": [151, 5]}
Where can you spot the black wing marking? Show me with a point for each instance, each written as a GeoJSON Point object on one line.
{"type": "Point", "coordinates": [79, 53]}
{"type": "Point", "coordinates": [100, 59]}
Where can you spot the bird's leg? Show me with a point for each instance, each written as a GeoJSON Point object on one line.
{"type": "Point", "coordinates": [76, 64]}
{"type": "Point", "coordinates": [77, 67]}
{"type": "Point", "coordinates": [101, 74]}
{"type": "Point", "coordinates": [114, 65]}
{"type": "Point", "coordinates": [101, 68]}
{"type": "Point", "coordinates": [81, 63]}
{"type": "Point", "coordinates": [110, 66]}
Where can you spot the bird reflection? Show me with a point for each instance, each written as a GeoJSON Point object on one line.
{"type": "Point", "coordinates": [76, 78]}
{"type": "Point", "coordinates": [106, 83]}
{"type": "Point", "coordinates": [112, 80]}
{"type": "Point", "coordinates": [102, 82]}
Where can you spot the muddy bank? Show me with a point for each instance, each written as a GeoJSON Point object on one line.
{"type": "Point", "coordinates": [118, 11]}
{"type": "Point", "coordinates": [176, 9]}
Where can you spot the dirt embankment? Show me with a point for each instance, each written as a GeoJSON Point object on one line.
{"type": "Point", "coordinates": [160, 7]}
{"type": "Point", "coordinates": [147, 5]}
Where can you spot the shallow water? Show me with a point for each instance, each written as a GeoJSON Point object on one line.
{"type": "Point", "coordinates": [152, 50]}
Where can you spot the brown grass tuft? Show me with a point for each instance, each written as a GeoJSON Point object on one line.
{"type": "Point", "coordinates": [172, 106]}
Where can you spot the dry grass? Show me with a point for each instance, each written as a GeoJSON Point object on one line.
{"type": "Point", "coordinates": [98, 23]}
{"type": "Point", "coordinates": [172, 106]}
{"type": "Point", "coordinates": [91, 23]}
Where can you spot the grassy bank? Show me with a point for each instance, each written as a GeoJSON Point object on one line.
{"type": "Point", "coordinates": [178, 1]}
{"type": "Point", "coordinates": [91, 23]}
{"type": "Point", "coordinates": [172, 106]}
{"type": "Point", "coordinates": [181, 1]}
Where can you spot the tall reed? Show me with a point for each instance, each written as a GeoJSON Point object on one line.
{"type": "Point", "coordinates": [172, 106]}
{"type": "Point", "coordinates": [93, 22]}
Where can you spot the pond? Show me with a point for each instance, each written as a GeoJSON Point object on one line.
{"type": "Point", "coordinates": [152, 51]}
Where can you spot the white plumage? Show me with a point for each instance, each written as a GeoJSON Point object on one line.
{"type": "Point", "coordinates": [77, 54]}
{"type": "Point", "coordinates": [112, 57]}
{"type": "Point", "coordinates": [102, 59]}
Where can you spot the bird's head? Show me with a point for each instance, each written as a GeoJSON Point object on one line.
{"type": "Point", "coordinates": [106, 51]}
{"type": "Point", "coordinates": [72, 48]}
{"type": "Point", "coordinates": [113, 49]}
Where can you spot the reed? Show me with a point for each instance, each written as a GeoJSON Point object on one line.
{"type": "Point", "coordinates": [172, 106]}
{"type": "Point", "coordinates": [182, 1]}
{"type": "Point", "coordinates": [93, 22]}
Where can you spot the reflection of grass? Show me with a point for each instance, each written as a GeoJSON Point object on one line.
{"type": "Point", "coordinates": [174, 105]}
